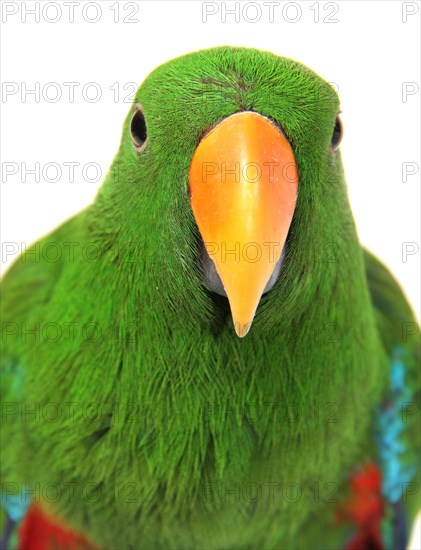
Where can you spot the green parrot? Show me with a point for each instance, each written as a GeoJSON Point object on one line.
{"type": "Point", "coordinates": [206, 357]}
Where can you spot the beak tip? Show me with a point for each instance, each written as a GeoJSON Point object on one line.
{"type": "Point", "coordinates": [242, 329]}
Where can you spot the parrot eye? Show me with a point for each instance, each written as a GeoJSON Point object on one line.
{"type": "Point", "coordinates": [138, 129]}
{"type": "Point", "coordinates": [337, 135]}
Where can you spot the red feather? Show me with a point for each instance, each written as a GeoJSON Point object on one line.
{"type": "Point", "coordinates": [39, 531]}
{"type": "Point", "coordinates": [364, 508]}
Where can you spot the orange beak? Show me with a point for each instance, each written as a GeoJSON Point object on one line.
{"type": "Point", "coordinates": [243, 185]}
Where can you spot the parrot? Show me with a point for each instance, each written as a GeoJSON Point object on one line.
{"type": "Point", "coordinates": [206, 357]}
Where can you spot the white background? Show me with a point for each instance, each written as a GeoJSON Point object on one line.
{"type": "Point", "coordinates": [369, 53]}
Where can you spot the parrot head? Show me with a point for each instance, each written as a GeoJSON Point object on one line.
{"type": "Point", "coordinates": [230, 157]}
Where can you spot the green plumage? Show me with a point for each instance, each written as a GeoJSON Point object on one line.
{"type": "Point", "coordinates": [170, 410]}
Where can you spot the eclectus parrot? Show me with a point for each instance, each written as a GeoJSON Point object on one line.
{"type": "Point", "coordinates": [212, 360]}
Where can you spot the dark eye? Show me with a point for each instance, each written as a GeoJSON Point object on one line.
{"type": "Point", "coordinates": [337, 134]}
{"type": "Point", "coordinates": [138, 129]}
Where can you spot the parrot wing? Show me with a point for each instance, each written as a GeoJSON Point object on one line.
{"type": "Point", "coordinates": [384, 492]}
{"type": "Point", "coordinates": [26, 287]}
{"type": "Point", "coordinates": [30, 282]}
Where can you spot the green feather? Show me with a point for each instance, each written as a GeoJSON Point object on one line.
{"type": "Point", "coordinates": [163, 410]}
